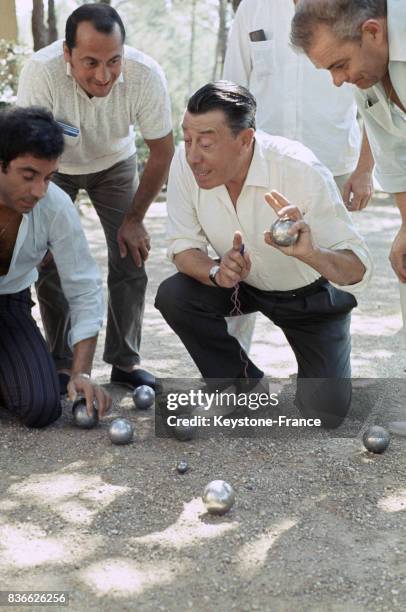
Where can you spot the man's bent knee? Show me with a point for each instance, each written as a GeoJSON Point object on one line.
{"type": "Point", "coordinates": [41, 414]}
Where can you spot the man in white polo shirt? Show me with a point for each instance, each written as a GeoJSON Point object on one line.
{"type": "Point", "coordinates": [218, 195]}
{"type": "Point", "coordinates": [98, 89]}
{"type": "Point", "coordinates": [296, 101]}
{"type": "Point", "coordinates": [364, 43]}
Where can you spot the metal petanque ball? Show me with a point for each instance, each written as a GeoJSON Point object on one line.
{"type": "Point", "coordinates": [183, 433]}
{"type": "Point", "coordinates": [279, 232]}
{"type": "Point", "coordinates": [143, 397]}
{"type": "Point", "coordinates": [218, 497]}
{"type": "Point", "coordinates": [376, 439]}
{"type": "Point", "coordinates": [121, 431]}
{"type": "Point", "coordinates": [80, 416]}
{"type": "Point", "coordinates": [182, 466]}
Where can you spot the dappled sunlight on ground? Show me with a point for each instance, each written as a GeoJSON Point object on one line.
{"type": "Point", "coordinates": [253, 555]}
{"type": "Point", "coordinates": [121, 578]}
{"type": "Point", "coordinates": [188, 529]}
{"type": "Point", "coordinates": [395, 502]}
{"type": "Point", "coordinates": [76, 497]}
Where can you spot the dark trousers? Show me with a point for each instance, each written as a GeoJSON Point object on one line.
{"type": "Point", "coordinates": [29, 386]}
{"type": "Point", "coordinates": [111, 192]}
{"type": "Point", "coordinates": [315, 320]}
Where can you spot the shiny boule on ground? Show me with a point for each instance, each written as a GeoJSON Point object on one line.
{"type": "Point", "coordinates": [121, 431]}
{"type": "Point", "coordinates": [279, 232]}
{"type": "Point", "coordinates": [81, 417]}
{"type": "Point", "coordinates": [218, 497]}
{"type": "Point", "coordinates": [182, 466]}
{"type": "Point", "coordinates": [144, 397]}
{"type": "Point", "coordinates": [376, 439]}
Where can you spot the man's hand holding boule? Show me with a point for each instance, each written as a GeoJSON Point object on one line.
{"type": "Point", "coordinates": [304, 247]}
{"type": "Point", "coordinates": [80, 384]}
{"type": "Point", "coordinates": [234, 266]}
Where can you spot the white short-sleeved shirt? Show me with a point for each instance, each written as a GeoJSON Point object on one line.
{"type": "Point", "coordinates": [54, 224]}
{"type": "Point", "coordinates": [294, 99]}
{"type": "Point", "coordinates": [384, 121]}
{"type": "Point", "coordinates": [106, 134]}
{"type": "Point", "coordinates": [201, 217]}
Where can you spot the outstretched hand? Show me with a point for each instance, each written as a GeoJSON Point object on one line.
{"type": "Point", "coordinates": [303, 248]}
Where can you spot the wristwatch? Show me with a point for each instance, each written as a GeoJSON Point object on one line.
{"type": "Point", "coordinates": [212, 274]}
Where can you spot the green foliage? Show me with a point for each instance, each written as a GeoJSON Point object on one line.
{"type": "Point", "coordinates": [163, 30]}
{"type": "Point", "coordinates": [11, 59]}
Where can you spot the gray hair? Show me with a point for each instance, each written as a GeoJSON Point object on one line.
{"type": "Point", "coordinates": [343, 17]}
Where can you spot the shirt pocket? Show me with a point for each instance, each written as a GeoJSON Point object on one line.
{"type": "Point", "coordinates": [262, 57]}
{"type": "Point", "coordinates": [70, 142]}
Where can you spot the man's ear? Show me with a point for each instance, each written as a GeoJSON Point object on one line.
{"type": "Point", "coordinates": [247, 136]}
{"type": "Point", "coordinates": [375, 31]}
{"type": "Point", "coordinates": [66, 53]}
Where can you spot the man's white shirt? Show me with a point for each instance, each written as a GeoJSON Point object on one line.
{"type": "Point", "coordinates": [384, 121]}
{"type": "Point", "coordinates": [199, 217]}
{"type": "Point", "coordinates": [294, 99]}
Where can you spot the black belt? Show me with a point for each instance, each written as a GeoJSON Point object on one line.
{"type": "Point", "coordinates": [301, 291]}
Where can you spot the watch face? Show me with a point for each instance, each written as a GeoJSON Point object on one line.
{"type": "Point", "coordinates": [213, 272]}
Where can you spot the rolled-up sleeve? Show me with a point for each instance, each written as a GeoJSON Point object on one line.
{"type": "Point", "coordinates": [184, 230]}
{"type": "Point", "coordinates": [79, 274]}
{"type": "Point", "coordinates": [331, 225]}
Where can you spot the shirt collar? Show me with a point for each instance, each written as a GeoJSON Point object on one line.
{"type": "Point", "coordinates": [258, 172]}
{"type": "Point", "coordinates": [397, 30]}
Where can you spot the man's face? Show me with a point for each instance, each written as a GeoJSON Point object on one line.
{"type": "Point", "coordinates": [25, 182]}
{"type": "Point", "coordinates": [215, 156]}
{"type": "Point", "coordinates": [362, 63]}
{"type": "Point", "coordinates": [96, 60]}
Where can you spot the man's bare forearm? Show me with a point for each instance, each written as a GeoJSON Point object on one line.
{"type": "Point", "coordinates": [342, 267]}
{"type": "Point", "coordinates": [83, 354]}
{"type": "Point", "coordinates": [400, 199]}
{"type": "Point", "coordinates": [154, 175]}
{"type": "Point", "coordinates": [366, 159]}
{"type": "Point", "coordinates": [195, 264]}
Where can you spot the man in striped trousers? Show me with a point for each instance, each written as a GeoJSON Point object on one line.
{"type": "Point", "coordinates": [36, 215]}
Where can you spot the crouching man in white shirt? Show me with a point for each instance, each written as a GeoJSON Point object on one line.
{"type": "Point", "coordinates": [218, 195]}
{"type": "Point", "coordinates": [36, 215]}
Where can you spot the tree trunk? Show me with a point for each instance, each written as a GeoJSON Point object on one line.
{"type": "Point", "coordinates": [8, 21]}
{"type": "Point", "coordinates": [235, 4]}
{"type": "Point", "coordinates": [192, 49]}
{"type": "Point", "coordinates": [52, 28]}
{"type": "Point", "coordinates": [39, 31]}
{"type": "Point", "coordinates": [221, 41]}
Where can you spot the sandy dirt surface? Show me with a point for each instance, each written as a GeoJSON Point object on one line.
{"type": "Point", "coordinates": [318, 523]}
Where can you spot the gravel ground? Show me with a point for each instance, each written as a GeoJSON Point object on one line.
{"type": "Point", "coordinates": [318, 522]}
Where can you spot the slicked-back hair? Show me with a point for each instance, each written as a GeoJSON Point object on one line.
{"type": "Point", "coordinates": [236, 102]}
{"type": "Point", "coordinates": [343, 17]}
{"type": "Point", "coordinates": [102, 16]}
{"type": "Point", "coordinates": [29, 131]}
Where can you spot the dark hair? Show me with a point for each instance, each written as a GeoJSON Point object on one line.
{"type": "Point", "coordinates": [102, 16]}
{"type": "Point", "coordinates": [26, 131]}
{"type": "Point", "coordinates": [343, 17]}
{"type": "Point", "coordinates": [236, 102]}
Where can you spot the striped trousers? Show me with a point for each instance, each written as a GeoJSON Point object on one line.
{"type": "Point", "coordinates": [29, 386]}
